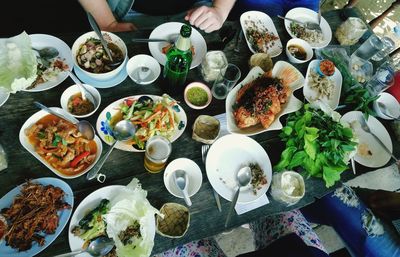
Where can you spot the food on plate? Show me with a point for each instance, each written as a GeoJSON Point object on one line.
{"type": "Point", "coordinates": [260, 100]}
{"type": "Point", "coordinates": [165, 49]}
{"type": "Point", "coordinates": [317, 143]}
{"type": "Point", "coordinates": [33, 215]}
{"type": "Point", "coordinates": [258, 178]}
{"type": "Point", "coordinates": [259, 37]}
{"type": "Point", "coordinates": [363, 150]}
{"type": "Point", "coordinates": [298, 52]}
{"type": "Point", "coordinates": [175, 221]}
{"type": "Point", "coordinates": [48, 71]}
{"type": "Point", "coordinates": [197, 96]}
{"type": "Point", "coordinates": [61, 144]}
{"type": "Point", "coordinates": [262, 60]}
{"type": "Point", "coordinates": [321, 84]}
{"type": "Point", "coordinates": [3, 227]}
{"type": "Point", "coordinates": [127, 218]}
{"type": "Point", "coordinates": [77, 106]}
{"type": "Point", "coordinates": [326, 67]}
{"type": "Point", "coordinates": [311, 36]}
{"type": "Point", "coordinates": [92, 57]}
{"type": "Point", "coordinates": [151, 117]}
{"type": "Point", "coordinates": [206, 129]}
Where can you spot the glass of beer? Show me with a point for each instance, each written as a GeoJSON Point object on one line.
{"type": "Point", "coordinates": [158, 149]}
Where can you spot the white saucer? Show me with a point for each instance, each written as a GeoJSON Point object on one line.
{"type": "Point", "coordinates": [195, 176]}
{"type": "Point", "coordinates": [102, 83]}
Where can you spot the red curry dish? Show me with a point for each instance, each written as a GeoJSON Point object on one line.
{"type": "Point", "coordinates": [61, 144]}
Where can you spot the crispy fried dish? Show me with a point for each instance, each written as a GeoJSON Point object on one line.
{"type": "Point", "coordinates": [33, 212]}
{"type": "Point", "coordinates": [260, 100]}
{"type": "Point", "coordinates": [61, 144]}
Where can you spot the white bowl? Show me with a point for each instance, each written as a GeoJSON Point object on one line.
{"type": "Point", "coordinates": [137, 61]}
{"type": "Point", "coordinates": [109, 37]}
{"type": "Point", "coordinates": [391, 103]}
{"type": "Point", "coordinates": [74, 89]}
{"type": "Point", "coordinates": [200, 85]}
{"type": "Point", "coordinates": [302, 43]}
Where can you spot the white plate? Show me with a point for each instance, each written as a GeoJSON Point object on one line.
{"type": "Point", "coordinates": [89, 203]}
{"type": "Point", "coordinates": [226, 156]}
{"type": "Point", "coordinates": [379, 156]}
{"type": "Point", "coordinates": [168, 30]}
{"type": "Point", "coordinates": [195, 176]}
{"type": "Point", "coordinates": [262, 21]}
{"type": "Point", "coordinates": [3, 96]}
{"type": "Point", "coordinates": [42, 40]}
{"type": "Point", "coordinates": [23, 139]}
{"type": "Point", "coordinates": [311, 94]}
{"type": "Point", "coordinates": [64, 215]}
{"type": "Point", "coordinates": [118, 79]}
{"type": "Point", "coordinates": [304, 14]}
{"type": "Point", "coordinates": [293, 104]}
{"type": "Point", "coordinates": [103, 128]}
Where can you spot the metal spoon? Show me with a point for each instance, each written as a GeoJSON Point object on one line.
{"type": "Point", "coordinates": [48, 52]}
{"type": "Point", "coordinates": [84, 126]}
{"type": "Point", "coordinates": [98, 247]}
{"type": "Point", "coordinates": [385, 111]}
{"type": "Point", "coordinates": [181, 181]}
{"type": "Point", "coordinates": [123, 131]}
{"type": "Point", "coordinates": [84, 92]}
{"type": "Point", "coordinates": [142, 73]}
{"type": "Point", "coordinates": [307, 24]}
{"type": "Point", "coordinates": [243, 177]}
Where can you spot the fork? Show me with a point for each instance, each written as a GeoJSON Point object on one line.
{"type": "Point", "coordinates": [366, 128]}
{"type": "Point", "coordinates": [204, 151]}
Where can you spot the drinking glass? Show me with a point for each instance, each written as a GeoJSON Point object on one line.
{"type": "Point", "coordinates": [157, 151]}
{"type": "Point", "coordinates": [388, 46]}
{"type": "Point", "coordinates": [226, 80]}
{"type": "Point", "coordinates": [212, 64]}
{"type": "Point", "coordinates": [382, 79]}
{"type": "Point", "coordinates": [369, 48]}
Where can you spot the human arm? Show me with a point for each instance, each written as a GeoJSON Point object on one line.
{"type": "Point", "coordinates": [210, 18]}
{"type": "Point", "coordinates": [104, 17]}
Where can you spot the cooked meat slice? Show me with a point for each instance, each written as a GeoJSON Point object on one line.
{"type": "Point", "coordinates": [244, 118]}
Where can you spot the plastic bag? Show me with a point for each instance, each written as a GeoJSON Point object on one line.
{"type": "Point", "coordinates": [287, 187]}
{"type": "Point", "coordinates": [350, 31]}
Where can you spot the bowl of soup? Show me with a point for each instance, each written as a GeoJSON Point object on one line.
{"type": "Point", "coordinates": [91, 58]}
{"type": "Point", "coordinates": [298, 51]}
{"type": "Point", "coordinates": [73, 102]}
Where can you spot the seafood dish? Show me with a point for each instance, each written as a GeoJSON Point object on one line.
{"type": "Point", "coordinates": [33, 214]}
{"type": "Point", "coordinates": [311, 36]}
{"type": "Point", "coordinates": [260, 100]}
{"type": "Point", "coordinates": [61, 145]}
{"type": "Point", "coordinates": [260, 38]}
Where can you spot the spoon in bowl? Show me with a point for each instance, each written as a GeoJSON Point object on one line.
{"type": "Point", "coordinates": [84, 92]}
{"type": "Point", "coordinates": [308, 25]}
{"type": "Point", "coordinates": [181, 181]}
{"type": "Point", "coordinates": [100, 246]}
{"type": "Point", "coordinates": [243, 177]}
{"type": "Point", "coordinates": [84, 126]}
{"type": "Point", "coordinates": [123, 131]}
{"type": "Point", "coordinates": [142, 73]}
{"type": "Point", "coordinates": [386, 111]}
{"type": "Point", "coordinates": [48, 52]}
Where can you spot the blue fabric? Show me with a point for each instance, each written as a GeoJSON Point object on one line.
{"type": "Point", "coordinates": [271, 7]}
{"type": "Point", "coordinates": [346, 221]}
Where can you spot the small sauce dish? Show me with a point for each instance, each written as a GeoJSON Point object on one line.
{"type": "Point", "coordinates": [143, 69]}
{"type": "Point", "coordinates": [197, 95]}
{"type": "Point", "coordinates": [326, 67]}
{"type": "Point", "coordinates": [73, 92]}
{"type": "Point", "coordinates": [391, 104]}
{"type": "Point", "coordinates": [298, 51]}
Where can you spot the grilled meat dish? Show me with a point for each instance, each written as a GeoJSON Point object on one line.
{"type": "Point", "coordinates": [260, 100]}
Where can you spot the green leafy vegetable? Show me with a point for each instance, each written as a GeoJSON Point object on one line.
{"type": "Point", "coordinates": [18, 63]}
{"type": "Point", "coordinates": [316, 144]}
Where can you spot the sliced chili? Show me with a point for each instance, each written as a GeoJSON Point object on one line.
{"type": "Point", "coordinates": [79, 158]}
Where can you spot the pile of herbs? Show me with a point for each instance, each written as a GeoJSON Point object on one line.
{"type": "Point", "coordinates": [316, 145]}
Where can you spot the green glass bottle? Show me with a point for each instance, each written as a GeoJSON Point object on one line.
{"type": "Point", "coordinates": [179, 59]}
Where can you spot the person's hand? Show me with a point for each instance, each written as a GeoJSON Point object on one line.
{"type": "Point", "coordinates": [119, 27]}
{"type": "Point", "coordinates": [385, 204]}
{"type": "Point", "coordinates": [206, 18]}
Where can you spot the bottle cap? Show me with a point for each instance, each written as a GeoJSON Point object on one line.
{"type": "Point", "coordinates": [186, 30]}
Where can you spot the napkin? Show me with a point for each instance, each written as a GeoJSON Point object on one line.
{"type": "Point", "coordinates": [241, 208]}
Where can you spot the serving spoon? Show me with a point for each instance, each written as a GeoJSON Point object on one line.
{"type": "Point", "coordinates": [181, 181]}
{"type": "Point", "coordinates": [122, 131]}
{"type": "Point", "coordinates": [385, 111]}
{"type": "Point", "coordinates": [98, 247]}
{"type": "Point", "coordinates": [47, 52]}
{"type": "Point", "coordinates": [243, 177]}
{"type": "Point", "coordinates": [84, 126]}
{"type": "Point", "coordinates": [308, 25]}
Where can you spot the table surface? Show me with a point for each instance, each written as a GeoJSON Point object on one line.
{"type": "Point", "coordinates": [122, 166]}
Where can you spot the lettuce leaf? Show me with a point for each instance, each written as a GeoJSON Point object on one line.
{"type": "Point", "coordinates": [18, 63]}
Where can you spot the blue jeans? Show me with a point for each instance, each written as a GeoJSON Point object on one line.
{"type": "Point", "coordinates": [363, 234]}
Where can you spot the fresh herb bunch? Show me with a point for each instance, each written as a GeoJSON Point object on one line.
{"type": "Point", "coordinates": [316, 144]}
{"type": "Point", "coordinates": [360, 99]}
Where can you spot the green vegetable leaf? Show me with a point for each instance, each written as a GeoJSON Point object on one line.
{"type": "Point", "coordinates": [310, 146]}
{"type": "Point", "coordinates": [287, 130]}
{"type": "Point", "coordinates": [286, 156]}
{"type": "Point", "coordinates": [297, 159]}
{"type": "Point", "coordinates": [331, 174]}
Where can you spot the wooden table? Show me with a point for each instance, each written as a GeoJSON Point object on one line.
{"type": "Point", "coordinates": [121, 166]}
